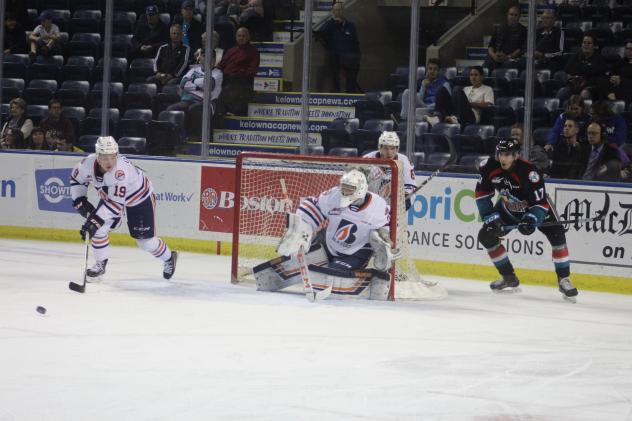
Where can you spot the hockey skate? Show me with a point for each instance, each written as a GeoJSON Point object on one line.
{"type": "Point", "coordinates": [96, 272]}
{"type": "Point", "coordinates": [169, 267]}
{"type": "Point", "coordinates": [569, 292]}
{"type": "Point", "coordinates": [508, 284]}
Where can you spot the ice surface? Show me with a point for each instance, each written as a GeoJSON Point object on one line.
{"type": "Point", "coordinates": [137, 347]}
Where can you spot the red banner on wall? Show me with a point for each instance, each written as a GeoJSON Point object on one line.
{"type": "Point", "coordinates": [217, 199]}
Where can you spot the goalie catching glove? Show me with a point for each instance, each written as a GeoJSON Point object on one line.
{"type": "Point", "coordinates": [298, 234]}
{"type": "Point", "coordinates": [383, 255]}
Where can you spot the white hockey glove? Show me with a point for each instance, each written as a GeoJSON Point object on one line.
{"type": "Point", "coordinates": [383, 255]}
{"type": "Point", "coordinates": [298, 234]}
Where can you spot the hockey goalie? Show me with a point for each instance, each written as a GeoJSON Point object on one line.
{"type": "Point", "coordinates": [337, 245]}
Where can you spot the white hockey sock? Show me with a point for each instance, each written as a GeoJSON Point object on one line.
{"type": "Point", "coordinates": [155, 246]}
{"type": "Point", "coordinates": [100, 247]}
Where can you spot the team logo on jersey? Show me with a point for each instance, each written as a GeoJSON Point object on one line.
{"type": "Point", "coordinates": [534, 177]}
{"type": "Point", "coordinates": [209, 198]}
{"type": "Point", "coordinates": [119, 175]}
{"type": "Point", "coordinates": [335, 211]}
{"type": "Point", "coordinates": [345, 232]}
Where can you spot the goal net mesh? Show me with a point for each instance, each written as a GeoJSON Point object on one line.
{"type": "Point", "coordinates": [271, 185]}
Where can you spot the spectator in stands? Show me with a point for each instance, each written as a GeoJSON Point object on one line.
{"type": "Point", "coordinates": [433, 96]}
{"type": "Point", "coordinates": [621, 77]}
{"type": "Point", "coordinates": [340, 38]}
{"type": "Point", "coordinates": [567, 155]}
{"type": "Point", "coordinates": [57, 122]}
{"type": "Point", "coordinates": [549, 45]}
{"type": "Point", "coordinates": [575, 109]}
{"type": "Point", "coordinates": [64, 145]}
{"type": "Point", "coordinates": [192, 87]}
{"type": "Point", "coordinates": [600, 161]}
{"type": "Point", "coordinates": [587, 73]}
{"type": "Point", "coordinates": [45, 38]}
{"type": "Point", "coordinates": [508, 42]}
{"type": "Point", "coordinates": [200, 51]}
{"type": "Point", "coordinates": [239, 67]}
{"type": "Point", "coordinates": [469, 103]}
{"type": "Point", "coordinates": [626, 171]}
{"type": "Point", "coordinates": [14, 36]}
{"type": "Point", "coordinates": [249, 10]}
{"type": "Point", "coordinates": [38, 139]}
{"type": "Point", "coordinates": [150, 33]}
{"type": "Point", "coordinates": [614, 126]}
{"type": "Point", "coordinates": [191, 28]}
{"type": "Point", "coordinates": [537, 155]}
{"type": "Point", "coordinates": [19, 10]}
{"type": "Point", "coordinates": [172, 59]}
{"type": "Point", "coordinates": [227, 8]}
{"type": "Point", "coordinates": [19, 127]}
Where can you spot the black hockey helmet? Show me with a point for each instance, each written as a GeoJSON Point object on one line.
{"type": "Point", "coordinates": [508, 145]}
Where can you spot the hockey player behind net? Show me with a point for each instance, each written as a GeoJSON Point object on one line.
{"type": "Point", "coordinates": [340, 231]}
{"type": "Point", "coordinates": [123, 188]}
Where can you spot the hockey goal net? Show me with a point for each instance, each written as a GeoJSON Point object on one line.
{"type": "Point", "coordinates": [268, 186]}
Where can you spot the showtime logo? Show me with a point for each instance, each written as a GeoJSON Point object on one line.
{"type": "Point", "coordinates": [53, 190]}
{"type": "Point", "coordinates": [226, 200]}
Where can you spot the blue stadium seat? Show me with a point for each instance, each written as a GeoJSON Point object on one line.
{"type": "Point", "coordinates": [84, 44]}
{"type": "Point", "coordinates": [140, 95]}
{"type": "Point", "coordinates": [133, 145]}
{"type": "Point", "coordinates": [481, 130]}
{"type": "Point", "coordinates": [468, 144]}
{"type": "Point", "coordinates": [87, 142]}
{"type": "Point", "coordinates": [339, 151]}
{"type": "Point", "coordinates": [123, 22]}
{"type": "Point", "coordinates": [140, 69]}
{"type": "Point", "coordinates": [161, 137]}
{"type": "Point", "coordinates": [134, 123]}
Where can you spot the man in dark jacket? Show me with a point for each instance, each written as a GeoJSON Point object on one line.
{"type": "Point", "coordinates": [568, 153]}
{"type": "Point", "coordinates": [14, 36]}
{"type": "Point", "coordinates": [508, 41]}
{"type": "Point", "coordinates": [191, 28]}
{"type": "Point", "coordinates": [341, 41]}
{"type": "Point", "coordinates": [587, 73]}
{"type": "Point", "coordinates": [57, 123]}
{"type": "Point", "coordinates": [549, 43]}
{"type": "Point", "coordinates": [150, 33]}
{"type": "Point", "coordinates": [172, 59]}
{"type": "Point", "coordinates": [600, 160]}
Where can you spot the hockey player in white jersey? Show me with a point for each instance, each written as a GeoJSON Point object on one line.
{"type": "Point", "coordinates": [355, 227]}
{"type": "Point", "coordinates": [380, 181]}
{"type": "Point", "coordinates": [123, 189]}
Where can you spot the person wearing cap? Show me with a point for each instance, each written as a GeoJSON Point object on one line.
{"type": "Point", "coordinates": [150, 33]}
{"type": "Point", "coordinates": [172, 59]}
{"type": "Point", "coordinates": [45, 37]}
{"type": "Point", "coordinates": [191, 28]}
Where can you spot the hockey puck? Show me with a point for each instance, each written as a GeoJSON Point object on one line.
{"type": "Point", "coordinates": [41, 310]}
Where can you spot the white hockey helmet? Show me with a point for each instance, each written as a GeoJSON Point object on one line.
{"type": "Point", "coordinates": [388, 139]}
{"type": "Point", "coordinates": [354, 184]}
{"type": "Point", "coordinates": [106, 145]}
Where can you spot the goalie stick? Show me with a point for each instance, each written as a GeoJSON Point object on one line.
{"type": "Point", "coordinates": [82, 287]}
{"type": "Point", "coordinates": [554, 223]}
{"type": "Point", "coordinates": [310, 294]}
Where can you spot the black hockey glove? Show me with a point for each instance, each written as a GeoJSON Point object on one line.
{"type": "Point", "coordinates": [527, 224]}
{"type": "Point", "coordinates": [82, 206]}
{"type": "Point", "coordinates": [91, 226]}
{"type": "Point", "coordinates": [493, 225]}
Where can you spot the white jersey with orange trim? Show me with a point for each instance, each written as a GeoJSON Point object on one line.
{"type": "Point", "coordinates": [125, 185]}
{"type": "Point", "coordinates": [348, 229]}
{"type": "Point", "coordinates": [377, 185]}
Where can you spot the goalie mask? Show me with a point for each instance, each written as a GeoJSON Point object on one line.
{"type": "Point", "coordinates": [353, 188]}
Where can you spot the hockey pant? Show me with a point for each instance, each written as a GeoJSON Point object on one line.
{"type": "Point", "coordinates": [554, 234]}
{"type": "Point", "coordinates": [141, 225]}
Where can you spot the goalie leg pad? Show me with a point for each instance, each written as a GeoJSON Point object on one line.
{"type": "Point", "coordinates": [344, 284]}
{"type": "Point", "coordinates": [299, 233]}
{"type": "Point", "coordinates": [284, 271]}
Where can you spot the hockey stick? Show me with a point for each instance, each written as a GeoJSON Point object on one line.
{"type": "Point", "coordinates": [82, 287]}
{"type": "Point", "coordinates": [436, 172]}
{"type": "Point", "coordinates": [555, 223]}
{"type": "Point", "coordinates": [310, 294]}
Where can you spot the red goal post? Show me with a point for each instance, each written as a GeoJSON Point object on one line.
{"type": "Point", "coordinates": [261, 202]}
